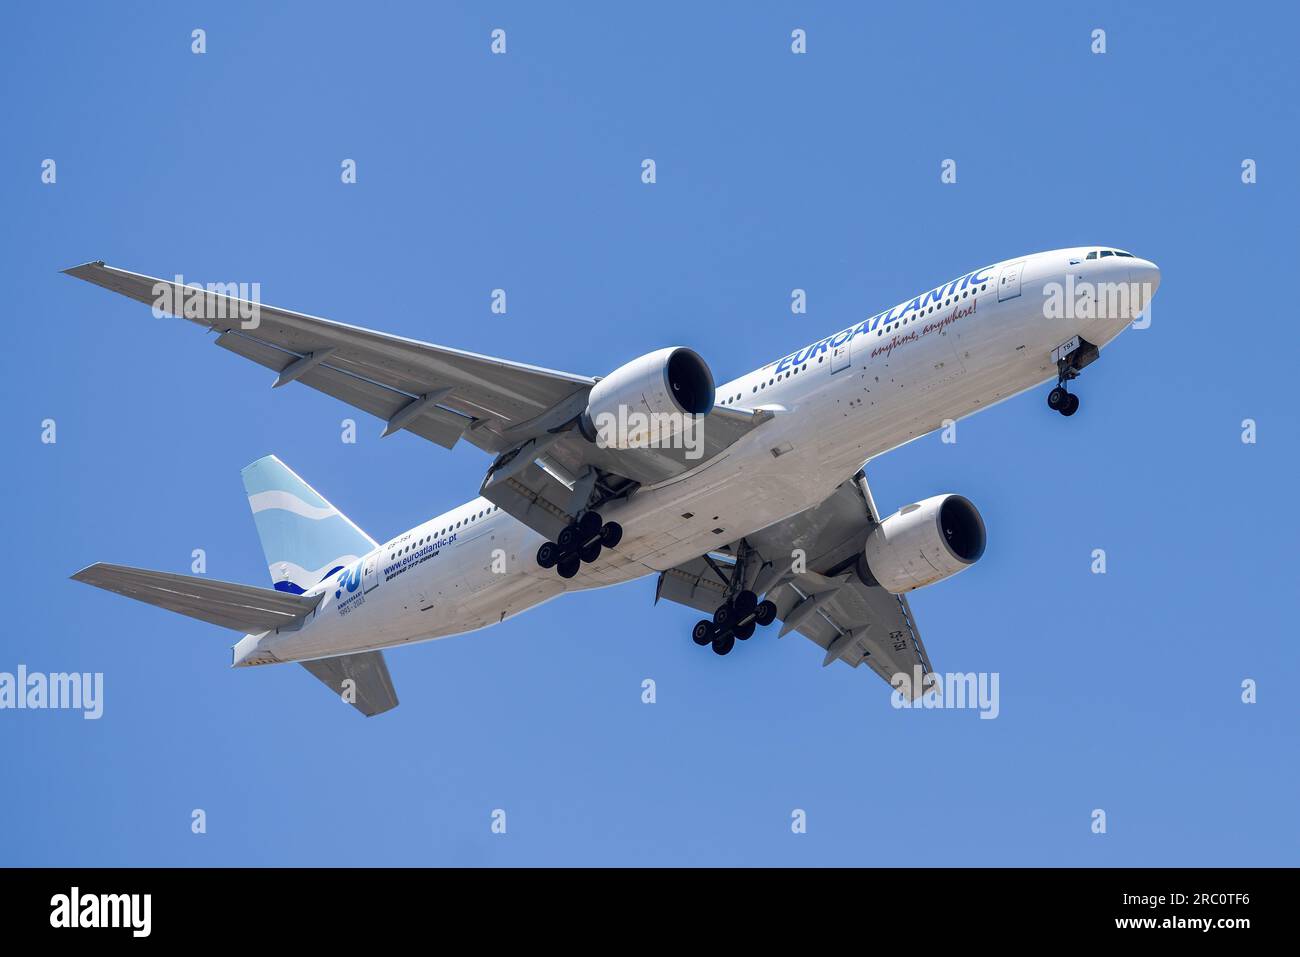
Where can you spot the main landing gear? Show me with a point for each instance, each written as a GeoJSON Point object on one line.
{"type": "Point", "coordinates": [579, 542]}
{"type": "Point", "coordinates": [734, 618]}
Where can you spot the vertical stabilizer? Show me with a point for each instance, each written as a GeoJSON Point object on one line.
{"type": "Point", "coordinates": [304, 537]}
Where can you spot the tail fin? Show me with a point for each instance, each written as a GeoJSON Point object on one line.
{"type": "Point", "coordinates": [305, 538]}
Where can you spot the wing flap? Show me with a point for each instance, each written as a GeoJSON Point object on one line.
{"type": "Point", "coordinates": [434, 423]}
{"type": "Point", "coordinates": [244, 608]}
{"type": "Point", "coordinates": [693, 584]}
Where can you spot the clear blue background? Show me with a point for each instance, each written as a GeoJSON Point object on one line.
{"type": "Point", "coordinates": [775, 171]}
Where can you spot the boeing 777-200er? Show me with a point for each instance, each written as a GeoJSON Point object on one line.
{"type": "Point", "coordinates": [748, 500]}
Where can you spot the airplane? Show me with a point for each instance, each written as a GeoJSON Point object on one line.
{"type": "Point", "coordinates": [748, 500]}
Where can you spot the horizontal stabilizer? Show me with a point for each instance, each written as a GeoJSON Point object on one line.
{"type": "Point", "coordinates": [244, 608]}
{"type": "Point", "coordinates": [371, 691]}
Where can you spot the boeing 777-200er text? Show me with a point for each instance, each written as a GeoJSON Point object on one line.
{"type": "Point", "coordinates": [748, 499]}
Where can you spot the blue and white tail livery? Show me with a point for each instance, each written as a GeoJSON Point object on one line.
{"type": "Point", "coordinates": [304, 537]}
{"type": "Point", "coordinates": [747, 498]}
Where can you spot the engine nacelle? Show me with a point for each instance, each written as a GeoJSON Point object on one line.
{"type": "Point", "coordinates": [923, 543]}
{"type": "Point", "coordinates": [648, 397]}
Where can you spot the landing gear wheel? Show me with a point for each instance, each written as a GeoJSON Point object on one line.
{"type": "Point", "coordinates": [569, 566]}
{"type": "Point", "coordinates": [548, 554]}
{"type": "Point", "coordinates": [723, 644]}
{"type": "Point", "coordinates": [611, 533]}
{"type": "Point", "coordinates": [1057, 399]}
{"type": "Point", "coordinates": [568, 536]}
{"type": "Point", "coordinates": [765, 614]}
{"type": "Point", "coordinates": [724, 615]}
{"type": "Point", "coordinates": [1071, 404]}
{"type": "Point", "coordinates": [745, 603]}
{"type": "Point", "coordinates": [745, 632]}
{"type": "Point", "coordinates": [702, 633]}
{"type": "Point", "coordinates": [590, 552]}
{"type": "Point", "coordinates": [589, 526]}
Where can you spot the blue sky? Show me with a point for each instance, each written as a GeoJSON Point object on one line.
{"type": "Point", "coordinates": [775, 171]}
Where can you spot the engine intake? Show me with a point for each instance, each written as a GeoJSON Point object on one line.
{"type": "Point", "coordinates": [923, 543]}
{"type": "Point", "coordinates": [648, 397]}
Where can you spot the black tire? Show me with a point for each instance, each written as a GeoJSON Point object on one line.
{"type": "Point", "coordinates": [766, 613]}
{"type": "Point", "coordinates": [590, 552]}
{"type": "Point", "coordinates": [611, 533]}
{"type": "Point", "coordinates": [724, 615]}
{"type": "Point", "coordinates": [568, 567]}
{"type": "Point", "coordinates": [1056, 399]}
{"type": "Point", "coordinates": [589, 526]}
{"type": "Point", "coordinates": [745, 632]}
{"type": "Point", "coordinates": [723, 644]}
{"type": "Point", "coordinates": [745, 603]}
{"type": "Point", "coordinates": [1071, 405]}
{"type": "Point", "coordinates": [702, 633]}
{"type": "Point", "coordinates": [548, 554]}
{"type": "Point", "coordinates": [568, 536]}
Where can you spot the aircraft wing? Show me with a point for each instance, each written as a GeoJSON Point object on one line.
{"type": "Point", "coordinates": [441, 394]}
{"type": "Point", "coordinates": [438, 393]}
{"type": "Point", "coordinates": [825, 600]}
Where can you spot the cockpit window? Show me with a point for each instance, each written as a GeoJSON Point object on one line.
{"type": "Point", "coordinates": [1106, 252]}
{"type": "Point", "coordinates": [1129, 255]}
{"type": "Point", "coordinates": [1092, 255]}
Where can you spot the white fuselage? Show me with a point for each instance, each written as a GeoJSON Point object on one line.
{"type": "Point", "coordinates": [838, 403]}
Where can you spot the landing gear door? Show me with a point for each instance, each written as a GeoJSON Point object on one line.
{"type": "Point", "coordinates": [370, 572]}
{"type": "Point", "coordinates": [1009, 281]}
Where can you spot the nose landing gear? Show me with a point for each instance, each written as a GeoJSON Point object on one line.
{"type": "Point", "coordinates": [579, 542]}
{"type": "Point", "coordinates": [1059, 400]}
{"type": "Point", "coordinates": [1070, 357]}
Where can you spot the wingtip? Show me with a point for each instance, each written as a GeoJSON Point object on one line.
{"type": "Point", "coordinates": [81, 574]}
{"type": "Point", "coordinates": [79, 271]}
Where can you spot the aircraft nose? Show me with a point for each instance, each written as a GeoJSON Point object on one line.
{"type": "Point", "coordinates": [1147, 273]}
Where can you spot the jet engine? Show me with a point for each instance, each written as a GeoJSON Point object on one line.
{"type": "Point", "coordinates": [922, 543]}
{"type": "Point", "coordinates": [646, 398]}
